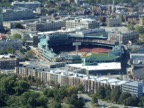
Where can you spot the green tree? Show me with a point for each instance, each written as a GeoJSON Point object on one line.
{"type": "Point", "coordinates": [123, 97]}
{"type": "Point", "coordinates": [33, 99]}
{"type": "Point", "coordinates": [23, 50]}
{"type": "Point", "coordinates": [3, 99]}
{"type": "Point", "coordinates": [48, 92]}
{"type": "Point", "coordinates": [16, 36]}
{"type": "Point", "coordinates": [21, 87]}
{"type": "Point", "coordinates": [7, 84]}
{"type": "Point", "coordinates": [131, 101]}
{"type": "Point", "coordinates": [139, 29]}
{"type": "Point", "coordinates": [101, 93]}
{"type": "Point", "coordinates": [66, 100]}
{"type": "Point", "coordinates": [115, 94]}
{"type": "Point", "coordinates": [71, 90]}
{"type": "Point", "coordinates": [141, 102]}
{"type": "Point", "coordinates": [135, 1]}
{"type": "Point", "coordinates": [108, 93]}
{"type": "Point", "coordinates": [13, 101]}
{"type": "Point", "coordinates": [10, 50]}
{"type": "Point", "coordinates": [79, 103]}
{"type": "Point", "coordinates": [80, 87]}
{"type": "Point", "coordinates": [62, 92]}
{"type": "Point", "coordinates": [131, 26]}
{"type": "Point", "coordinates": [94, 99]}
{"type": "Point", "coordinates": [55, 104]}
{"type": "Point", "coordinates": [29, 54]}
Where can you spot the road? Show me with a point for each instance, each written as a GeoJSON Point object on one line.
{"type": "Point", "coordinates": [87, 100]}
{"type": "Point", "coordinates": [104, 104]}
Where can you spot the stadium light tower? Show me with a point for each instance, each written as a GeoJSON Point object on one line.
{"type": "Point", "coordinates": [113, 6]}
{"type": "Point", "coordinates": [76, 44]}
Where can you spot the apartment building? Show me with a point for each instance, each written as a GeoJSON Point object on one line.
{"type": "Point", "coordinates": [121, 34]}
{"type": "Point", "coordinates": [133, 87]}
{"type": "Point", "coordinates": [141, 21]}
{"type": "Point", "coordinates": [66, 77]}
{"type": "Point", "coordinates": [8, 61]}
{"type": "Point", "coordinates": [45, 26]}
{"type": "Point", "coordinates": [33, 5]}
{"type": "Point", "coordinates": [1, 19]}
{"type": "Point", "coordinates": [86, 23]}
{"type": "Point", "coordinates": [131, 36]}
{"type": "Point", "coordinates": [112, 22]}
{"type": "Point", "coordinates": [17, 13]}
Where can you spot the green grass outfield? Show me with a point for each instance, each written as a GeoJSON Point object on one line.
{"type": "Point", "coordinates": [101, 57]}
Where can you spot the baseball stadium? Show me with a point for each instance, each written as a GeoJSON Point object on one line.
{"type": "Point", "coordinates": [90, 45]}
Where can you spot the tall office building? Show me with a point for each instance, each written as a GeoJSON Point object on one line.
{"type": "Point", "coordinates": [1, 20]}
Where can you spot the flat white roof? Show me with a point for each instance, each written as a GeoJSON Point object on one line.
{"type": "Point", "coordinates": [99, 66]}
{"type": "Point", "coordinates": [121, 29]}
{"type": "Point", "coordinates": [5, 56]}
{"type": "Point", "coordinates": [103, 78]}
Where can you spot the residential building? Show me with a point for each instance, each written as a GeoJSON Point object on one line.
{"type": "Point", "coordinates": [2, 36]}
{"type": "Point", "coordinates": [141, 21]}
{"type": "Point", "coordinates": [13, 44]}
{"type": "Point", "coordinates": [77, 2]}
{"type": "Point", "coordinates": [96, 33]}
{"type": "Point", "coordinates": [126, 37]}
{"type": "Point", "coordinates": [86, 23]}
{"type": "Point", "coordinates": [45, 26]}
{"type": "Point", "coordinates": [8, 61]}
{"type": "Point", "coordinates": [137, 65]}
{"type": "Point", "coordinates": [30, 5]}
{"type": "Point", "coordinates": [1, 20]}
{"type": "Point", "coordinates": [112, 22]}
{"type": "Point", "coordinates": [137, 59]}
{"type": "Point", "coordinates": [134, 88]}
{"type": "Point", "coordinates": [100, 68]}
{"type": "Point", "coordinates": [17, 13]}
{"type": "Point", "coordinates": [66, 76]}
{"type": "Point", "coordinates": [70, 1]}
{"type": "Point", "coordinates": [121, 34]}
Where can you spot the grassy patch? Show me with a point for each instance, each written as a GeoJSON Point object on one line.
{"type": "Point", "coordinates": [101, 56]}
{"type": "Point", "coordinates": [94, 106]}
{"type": "Point", "coordinates": [64, 105]}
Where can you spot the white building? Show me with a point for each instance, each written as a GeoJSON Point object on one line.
{"type": "Point", "coordinates": [86, 23]}
{"type": "Point", "coordinates": [30, 5]}
{"type": "Point", "coordinates": [134, 88]}
{"type": "Point", "coordinates": [121, 34]}
{"type": "Point", "coordinates": [46, 26]}
{"type": "Point", "coordinates": [100, 68]}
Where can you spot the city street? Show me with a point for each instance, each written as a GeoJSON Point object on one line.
{"type": "Point", "coordinates": [103, 104]}
{"type": "Point", "coordinates": [87, 100]}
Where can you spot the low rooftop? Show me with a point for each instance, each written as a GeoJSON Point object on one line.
{"type": "Point", "coordinates": [99, 66]}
